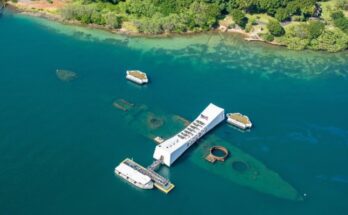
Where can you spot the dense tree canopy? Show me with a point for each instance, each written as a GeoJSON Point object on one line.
{"type": "Point", "coordinates": [275, 28]}
{"type": "Point", "coordinates": [239, 17]}
{"type": "Point", "coordinates": [340, 20]}
{"type": "Point", "coordinates": [315, 29]}
{"type": "Point", "coordinates": [165, 16]}
{"type": "Point", "coordinates": [193, 15]}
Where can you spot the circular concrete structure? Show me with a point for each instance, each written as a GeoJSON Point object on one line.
{"type": "Point", "coordinates": [215, 150]}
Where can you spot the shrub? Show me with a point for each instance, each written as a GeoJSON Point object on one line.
{"type": "Point", "coordinates": [203, 15]}
{"type": "Point", "coordinates": [248, 27]}
{"type": "Point", "coordinates": [275, 28]}
{"type": "Point", "coordinates": [269, 6]}
{"type": "Point", "coordinates": [253, 21]}
{"type": "Point", "coordinates": [232, 25]}
{"type": "Point", "coordinates": [68, 12]}
{"type": "Point", "coordinates": [173, 23]}
{"type": "Point", "coordinates": [332, 40]}
{"type": "Point", "coordinates": [337, 15]}
{"type": "Point", "coordinates": [296, 43]}
{"type": "Point", "coordinates": [342, 4]}
{"type": "Point", "coordinates": [282, 14]}
{"type": "Point", "coordinates": [151, 25]}
{"type": "Point", "coordinates": [340, 21]}
{"type": "Point", "coordinates": [296, 18]}
{"type": "Point", "coordinates": [97, 18]}
{"type": "Point", "coordinates": [267, 36]}
{"type": "Point", "coordinates": [85, 14]}
{"type": "Point", "coordinates": [300, 31]}
{"type": "Point", "coordinates": [140, 8]}
{"type": "Point", "coordinates": [315, 28]}
{"type": "Point", "coordinates": [239, 18]}
{"type": "Point", "coordinates": [113, 21]}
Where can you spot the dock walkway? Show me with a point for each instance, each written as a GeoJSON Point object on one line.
{"type": "Point", "coordinates": [161, 182]}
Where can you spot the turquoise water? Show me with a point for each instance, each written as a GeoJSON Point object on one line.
{"type": "Point", "coordinates": [60, 141]}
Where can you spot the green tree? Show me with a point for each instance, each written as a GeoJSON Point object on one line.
{"type": "Point", "coordinates": [342, 4]}
{"type": "Point", "coordinates": [231, 5]}
{"type": "Point", "coordinates": [68, 12]}
{"type": "Point", "coordinates": [141, 8]}
{"type": "Point", "coordinates": [270, 6]}
{"type": "Point", "coordinates": [84, 14]}
{"type": "Point", "coordinates": [299, 30]}
{"type": "Point", "coordinates": [173, 23]}
{"type": "Point", "coordinates": [340, 21]}
{"type": "Point", "coordinates": [97, 18]}
{"type": "Point", "coordinates": [293, 8]}
{"type": "Point", "coordinates": [275, 28]}
{"type": "Point", "coordinates": [203, 15]}
{"type": "Point", "coordinates": [282, 14]}
{"type": "Point", "coordinates": [113, 21]}
{"type": "Point", "coordinates": [239, 17]}
{"type": "Point", "coordinates": [307, 7]}
{"type": "Point", "coordinates": [315, 29]}
{"type": "Point", "coordinates": [268, 37]}
{"type": "Point", "coordinates": [337, 15]}
{"type": "Point", "coordinates": [332, 40]}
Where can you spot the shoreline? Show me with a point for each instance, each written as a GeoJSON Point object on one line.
{"type": "Point", "coordinates": [57, 18]}
{"type": "Point", "coordinates": [48, 13]}
{"type": "Point", "coordinates": [45, 14]}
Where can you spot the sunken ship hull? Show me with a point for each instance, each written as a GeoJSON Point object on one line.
{"type": "Point", "coordinates": [241, 168]}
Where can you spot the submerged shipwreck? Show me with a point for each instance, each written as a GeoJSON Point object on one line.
{"type": "Point", "coordinates": [66, 75]}
{"type": "Point", "coordinates": [168, 151]}
{"type": "Point", "coordinates": [239, 167]}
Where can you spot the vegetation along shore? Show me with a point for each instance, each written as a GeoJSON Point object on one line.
{"type": "Point", "coordinates": [296, 24]}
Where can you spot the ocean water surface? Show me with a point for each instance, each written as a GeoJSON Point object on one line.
{"type": "Point", "coordinates": [60, 141]}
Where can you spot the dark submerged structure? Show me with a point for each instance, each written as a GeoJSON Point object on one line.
{"type": "Point", "coordinates": [240, 167]}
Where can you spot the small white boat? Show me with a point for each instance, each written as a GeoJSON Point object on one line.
{"type": "Point", "coordinates": [239, 120]}
{"type": "Point", "coordinates": [137, 76]}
